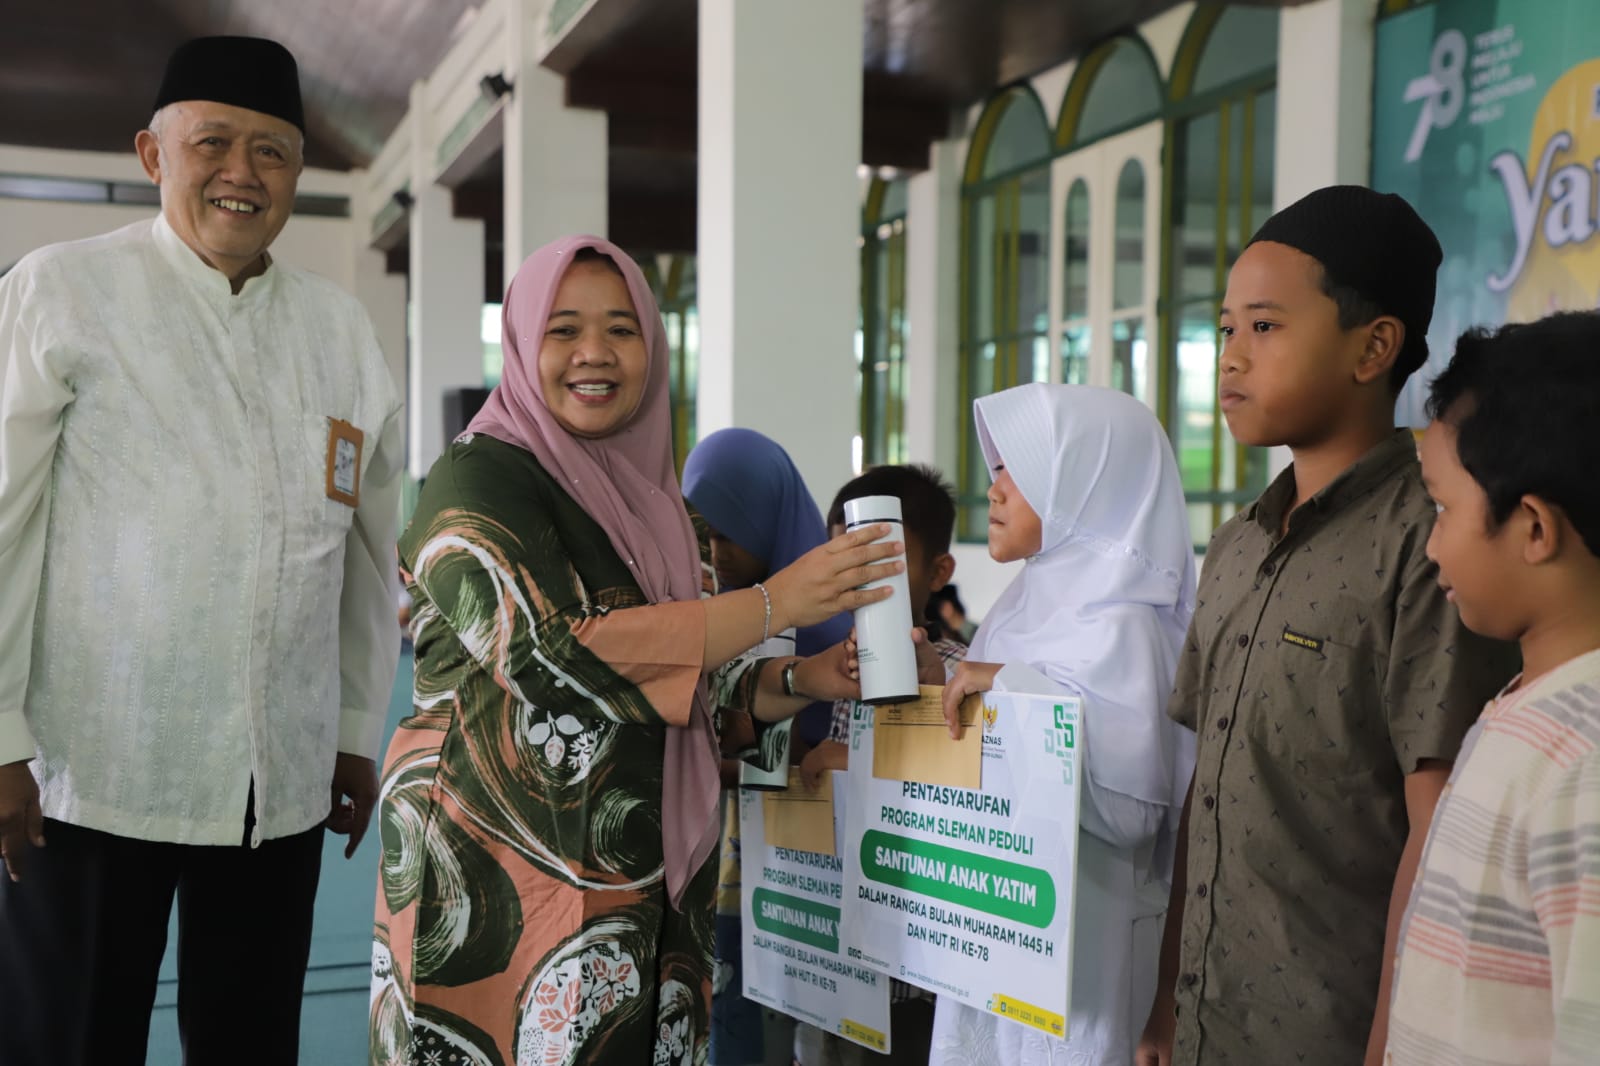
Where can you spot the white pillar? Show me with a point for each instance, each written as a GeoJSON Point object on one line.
{"type": "Point", "coordinates": [1324, 130]}
{"type": "Point", "coordinates": [934, 419]}
{"type": "Point", "coordinates": [554, 157]}
{"type": "Point", "coordinates": [778, 269]}
{"type": "Point", "coordinates": [446, 344]}
{"type": "Point", "coordinates": [1324, 121]}
{"type": "Point", "coordinates": [382, 294]}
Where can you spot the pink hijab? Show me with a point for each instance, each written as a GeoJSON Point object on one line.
{"type": "Point", "coordinates": [627, 483]}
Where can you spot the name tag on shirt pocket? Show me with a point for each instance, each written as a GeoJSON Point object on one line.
{"type": "Point", "coordinates": [344, 462]}
{"type": "Point", "coordinates": [1325, 723]}
{"type": "Point", "coordinates": [1303, 640]}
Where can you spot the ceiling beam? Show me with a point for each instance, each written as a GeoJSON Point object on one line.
{"type": "Point", "coordinates": [897, 152]}
{"type": "Point", "coordinates": [897, 131]}
{"type": "Point", "coordinates": [629, 89]}
{"type": "Point", "coordinates": [652, 222]}
{"type": "Point", "coordinates": [590, 32]}
{"type": "Point", "coordinates": [665, 136]}
{"type": "Point", "coordinates": [480, 199]}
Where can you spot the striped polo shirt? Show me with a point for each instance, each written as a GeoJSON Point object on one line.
{"type": "Point", "coordinates": [1500, 951]}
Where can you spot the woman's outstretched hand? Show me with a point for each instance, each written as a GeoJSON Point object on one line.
{"type": "Point", "coordinates": [827, 580]}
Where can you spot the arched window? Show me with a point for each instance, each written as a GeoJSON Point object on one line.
{"type": "Point", "coordinates": [1104, 257]}
{"type": "Point", "coordinates": [881, 345]}
{"type": "Point", "coordinates": [1005, 310]}
{"type": "Point", "coordinates": [1223, 106]}
{"type": "Point", "coordinates": [1115, 88]}
{"type": "Point", "coordinates": [1131, 367]}
{"type": "Point", "coordinates": [1242, 44]}
{"type": "Point", "coordinates": [1110, 136]}
{"type": "Point", "coordinates": [1076, 330]}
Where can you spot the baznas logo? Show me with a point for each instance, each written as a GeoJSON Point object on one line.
{"type": "Point", "coordinates": [993, 743]}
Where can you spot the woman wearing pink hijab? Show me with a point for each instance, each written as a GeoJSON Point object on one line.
{"type": "Point", "coordinates": [549, 810]}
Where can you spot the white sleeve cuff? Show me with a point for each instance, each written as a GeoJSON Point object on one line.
{"type": "Point", "coordinates": [16, 740]}
{"type": "Point", "coordinates": [360, 733]}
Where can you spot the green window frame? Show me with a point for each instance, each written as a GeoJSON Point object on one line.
{"type": "Point", "coordinates": [881, 343]}
{"type": "Point", "coordinates": [1133, 360]}
{"type": "Point", "coordinates": [1076, 332]}
{"type": "Point", "coordinates": [1116, 88]}
{"type": "Point", "coordinates": [1218, 172]}
{"type": "Point", "coordinates": [675, 293]}
{"type": "Point", "coordinates": [1001, 344]}
{"type": "Point", "coordinates": [1005, 241]}
{"type": "Point", "coordinates": [1210, 92]}
{"type": "Point", "coordinates": [493, 348]}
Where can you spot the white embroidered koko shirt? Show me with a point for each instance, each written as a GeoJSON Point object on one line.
{"type": "Point", "coordinates": [183, 608]}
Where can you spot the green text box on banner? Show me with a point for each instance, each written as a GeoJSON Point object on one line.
{"type": "Point", "coordinates": [984, 883]}
{"type": "Point", "coordinates": [804, 921]}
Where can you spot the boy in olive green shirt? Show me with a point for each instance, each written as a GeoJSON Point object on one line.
{"type": "Point", "coordinates": [1327, 678]}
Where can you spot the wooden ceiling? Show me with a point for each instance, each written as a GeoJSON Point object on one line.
{"type": "Point", "coordinates": [923, 60]}
{"type": "Point", "coordinates": [80, 74]}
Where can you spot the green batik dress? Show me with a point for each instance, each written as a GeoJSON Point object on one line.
{"type": "Point", "coordinates": [522, 916]}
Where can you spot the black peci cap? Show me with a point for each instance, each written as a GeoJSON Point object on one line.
{"type": "Point", "coordinates": [1372, 242]}
{"type": "Point", "coordinates": [248, 72]}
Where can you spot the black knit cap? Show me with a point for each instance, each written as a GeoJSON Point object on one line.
{"type": "Point", "coordinates": [249, 72]}
{"type": "Point", "coordinates": [1372, 242]}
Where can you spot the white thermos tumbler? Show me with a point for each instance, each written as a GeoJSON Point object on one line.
{"type": "Point", "coordinates": [883, 629]}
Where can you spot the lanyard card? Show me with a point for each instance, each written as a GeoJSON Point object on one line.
{"type": "Point", "coordinates": [344, 462]}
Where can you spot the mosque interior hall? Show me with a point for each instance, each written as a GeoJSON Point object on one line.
{"type": "Point", "coordinates": [857, 217]}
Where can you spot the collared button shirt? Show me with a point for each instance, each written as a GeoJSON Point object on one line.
{"type": "Point", "coordinates": [1323, 665]}
{"type": "Point", "coordinates": [185, 607]}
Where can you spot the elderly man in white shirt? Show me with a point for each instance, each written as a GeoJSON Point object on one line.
{"type": "Point", "coordinates": [199, 470]}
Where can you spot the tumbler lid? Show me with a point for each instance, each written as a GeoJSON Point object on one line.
{"type": "Point", "coordinates": [870, 510]}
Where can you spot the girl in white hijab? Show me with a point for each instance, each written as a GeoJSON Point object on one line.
{"type": "Point", "coordinates": [1087, 493]}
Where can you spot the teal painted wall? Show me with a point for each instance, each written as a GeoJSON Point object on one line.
{"type": "Point", "coordinates": [333, 1024]}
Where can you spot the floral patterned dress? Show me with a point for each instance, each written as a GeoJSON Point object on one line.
{"type": "Point", "coordinates": [522, 916]}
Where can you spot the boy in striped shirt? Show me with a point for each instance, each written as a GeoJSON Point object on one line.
{"type": "Point", "coordinates": [1499, 959]}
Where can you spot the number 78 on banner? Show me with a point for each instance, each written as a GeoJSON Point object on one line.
{"type": "Point", "coordinates": [1442, 90]}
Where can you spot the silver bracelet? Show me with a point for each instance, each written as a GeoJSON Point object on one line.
{"type": "Point", "coordinates": [766, 623]}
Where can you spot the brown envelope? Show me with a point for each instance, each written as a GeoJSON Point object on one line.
{"type": "Point", "coordinates": [797, 818]}
{"type": "Point", "coordinates": [910, 742]}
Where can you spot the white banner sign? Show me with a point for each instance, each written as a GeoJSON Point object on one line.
{"type": "Point", "coordinates": [968, 893]}
{"type": "Point", "coordinates": [793, 960]}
